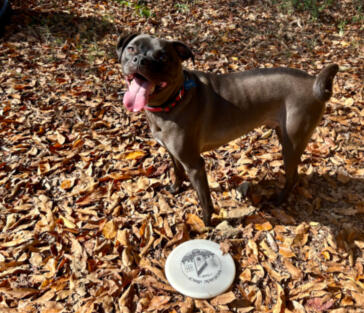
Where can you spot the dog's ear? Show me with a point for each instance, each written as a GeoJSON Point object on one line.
{"type": "Point", "coordinates": [183, 51]}
{"type": "Point", "coordinates": [122, 42]}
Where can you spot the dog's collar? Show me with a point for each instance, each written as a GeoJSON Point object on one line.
{"type": "Point", "coordinates": [169, 105]}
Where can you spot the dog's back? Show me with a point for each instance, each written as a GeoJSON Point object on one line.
{"type": "Point", "coordinates": [262, 96]}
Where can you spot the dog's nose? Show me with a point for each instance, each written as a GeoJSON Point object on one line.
{"type": "Point", "coordinates": [139, 60]}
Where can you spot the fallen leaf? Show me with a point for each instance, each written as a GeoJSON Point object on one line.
{"type": "Point", "coordinates": [122, 237]}
{"type": "Point", "coordinates": [19, 293]}
{"type": "Point", "coordinates": [67, 184]}
{"type": "Point", "coordinates": [280, 305]}
{"type": "Point", "coordinates": [135, 155]}
{"type": "Point", "coordinates": [225, 246]}
{"type": "Point", "coordinates": [237, 213]}
{"type": "Point", "coordinates": [146, 264]}
{"type": "Point", "coordinates": [283, 217]}
{"type": "Point", "coordinates": [157, 301]}
{"type": "Point", "coordinates": [195, 222]}
{"type": "Point", "coordinates": [227, 230]}
{"type": "Point", "coordinates": [320, 304]}
{"type": "Point", "coordinates": [295, 272]}
{"type": "Point", "coordinates": [109, 230]}
{"type": "Point", "coordinates": [68, 223]}
{"type": "Point", "coordinates": [265, 226]}
{"type": "Point", "coordinates": [83, 203]}
{"type": "Point", "coordinates": [225, 298]}
{"type": "Point", "coordinates": [272, 256]}
{"type": "Point", "coordinates": [127, 258]}
{"type": "Point", "coordinates": [273, 273]}
{"type": "Point", "coordinates": [246, 275]}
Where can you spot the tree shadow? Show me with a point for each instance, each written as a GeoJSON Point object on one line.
{"type": "Point", "coordinates": [54, 25]}
{"type": "Point", "coordinates": [323, 199]}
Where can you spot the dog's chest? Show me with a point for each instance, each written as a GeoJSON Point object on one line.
{"type": "Point", "coordinates": [158, 139]}
{"type": "Point", "coordinates": [161, 130]}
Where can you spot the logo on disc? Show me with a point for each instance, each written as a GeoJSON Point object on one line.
{"type": "Point", "coordinates": [201, 266]}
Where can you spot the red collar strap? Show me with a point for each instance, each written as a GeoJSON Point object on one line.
{"type": "Point", "coordinates": [169, 105]}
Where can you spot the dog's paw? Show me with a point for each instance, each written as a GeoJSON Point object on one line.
{"type": "Point", "coordinates": [206, 217]}
{"type": "Point", "coordinates": [278, 198]}
{"type": "Point", "coordinates": [173, 189]}
{"type": "Point", "coordinates": [207, 221]}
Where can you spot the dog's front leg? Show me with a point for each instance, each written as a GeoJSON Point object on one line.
{"type": "Point", "coordinates": [179, 175]}
{"type": "Point", "coordinates": [195, 169]}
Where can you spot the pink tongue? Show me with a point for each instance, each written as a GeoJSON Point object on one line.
{"type": "Point", "coordinates": [136, 98]}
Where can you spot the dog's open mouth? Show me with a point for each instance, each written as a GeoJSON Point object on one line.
{"type": "Point", "coordinates": [140, 89]}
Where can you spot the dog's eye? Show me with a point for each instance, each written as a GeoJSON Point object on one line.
{"type": "Point", "coordinates": [163, 57]}
{"type": "Point", "coordinates": [130, 49]}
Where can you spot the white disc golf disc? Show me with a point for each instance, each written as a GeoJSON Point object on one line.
{"type": "Point", "coordinates": [198, 269]}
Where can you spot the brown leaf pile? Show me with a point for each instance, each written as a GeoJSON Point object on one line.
{"type": "Point", "coordinates": [86, 223]}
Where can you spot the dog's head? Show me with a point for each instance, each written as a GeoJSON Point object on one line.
{"type": "Point", "coordinates": [152, 68]}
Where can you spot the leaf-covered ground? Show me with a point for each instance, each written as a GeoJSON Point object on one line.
{"type": "Point", "coordinates": [86, 222]}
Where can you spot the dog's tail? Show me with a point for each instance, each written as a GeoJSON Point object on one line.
{"type": "Point", "coordinates": [322, 87]}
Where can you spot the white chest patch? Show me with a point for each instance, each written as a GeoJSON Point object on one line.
{"type": "Point", "coordinates": [159, 141]}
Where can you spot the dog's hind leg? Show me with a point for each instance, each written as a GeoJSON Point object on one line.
{"type": "Point", "coordinates": [298, 121]}
{"type": "Point", "coordinates": [294, 132]}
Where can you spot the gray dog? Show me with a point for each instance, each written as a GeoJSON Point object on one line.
{"type": "Point", "coordinates": [190, 112]}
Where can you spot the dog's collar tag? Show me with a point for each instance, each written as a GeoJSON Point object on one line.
{"type": "Point", "coordinates": [188, 84]}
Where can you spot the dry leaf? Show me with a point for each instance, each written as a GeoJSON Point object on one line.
{"type": "Point", "coordinates": [359, 300]}
{"type": "Point", "coordinates": [145, 263]}
{"type": "Point", "coordinates": [286, 252]}
{"type": "Point", "coordinates": [283, 217]}
{"type": "Point", "coordinates": [163, 205]}
{"type": "Point", "coordinates": [157, 301]}
{"type": "Point", "coordinates": [122, 237]}
{"type": "Point", "coordinates": [280, 305]}
{"type": "Point", "coordinates": [227, 230]}
{"type": "Point", "coordinates": [127, 258]}
{"type": "Point", "coordinates": [225, 246]}
{"type": "Point", "coordinates": [67, 183]}
{"type": "Point", "coordinates": [237, 213]}
{"type": "Point", "coordinates": [167, 228]}
{"type": "Point", "coordinates": [295, 272]}
{"type": "Point", "coordinates": [195, 222]}
{"type": "Point", "coordinates": [135, 155]}
{"type": "Point", "coordinates": [265, 226]}
{"type": "Point", "coordinates": [320, 304]}
{"type": "Point", "coordinates": [83, 205]}
{"type": "Point", "coordinates": [52, 307]}
{"type": "Point", "coordinates": [225, 298]}
{"type": "Point", "coordinates": [109, 230]}
{"type": "Point", "coordinates": [19, 293]}
{"type": "Point", "coordinates": [68, 223]}
{"type": "Point", "coordinates": [268, 251]}
{"type": "Point", "coordinates": [22, 237]}
{"type": "Point", "coordinates": [246, 275]}
{"type": "Point", "coordinates": [273, 273]}
{"type": "Point", "coordinates": [187, 306]}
